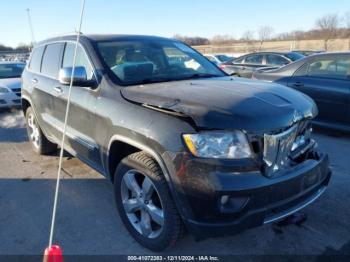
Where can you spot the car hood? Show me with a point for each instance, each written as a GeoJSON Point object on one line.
{"type": "Point", "coordinates": [227, 103]}
{"type": "Point", "coordinates": [11, 83]}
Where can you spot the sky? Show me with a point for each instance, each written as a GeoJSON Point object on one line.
{"type": "Point", "coordinates": [205, 18]}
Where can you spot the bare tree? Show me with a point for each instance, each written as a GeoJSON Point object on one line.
{"type": "Point", "coordinates": [222, 39]}
{"type": "Point", "coordinates": [265, 33]}
{"type": "Point", "coordinates": [328, 26]}
{"type": "Point", "coordinates": [248, 38]}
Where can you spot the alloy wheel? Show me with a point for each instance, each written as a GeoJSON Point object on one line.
{"type": "Point", "coordinates": [142, 204]}
{"type": "Point", "coordinates": [34, 132]}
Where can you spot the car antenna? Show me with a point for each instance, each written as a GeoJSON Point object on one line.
{"type": "Point", "coordinates": [31, 27]}
{"type": "Point", "coordinates": [55, 250]}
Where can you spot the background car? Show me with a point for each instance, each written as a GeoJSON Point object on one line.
{"type": "Point", "coordinates": [218, 58]}
{"type": "Point", "coordinates": [244, 66]}
{"type": "Point", "coordinates": [10, 83]}
{"type": "Point", "coordinates": [325, 78]}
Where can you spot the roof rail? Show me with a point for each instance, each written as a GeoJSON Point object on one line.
{"type": "Point", "coordinates": [65, 34]}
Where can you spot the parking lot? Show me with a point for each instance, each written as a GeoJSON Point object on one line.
{"type": "Point", "coordinates": [88, 222]}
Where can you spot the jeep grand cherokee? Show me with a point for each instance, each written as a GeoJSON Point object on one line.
{"type": "Point", "coordinates": [184, 144]}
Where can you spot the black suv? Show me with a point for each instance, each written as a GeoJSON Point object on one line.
{"type": "Point", "coordinates": [184, 144]}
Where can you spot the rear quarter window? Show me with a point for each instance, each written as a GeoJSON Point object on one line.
{"type": "Point", "coordinates": [35, 61]}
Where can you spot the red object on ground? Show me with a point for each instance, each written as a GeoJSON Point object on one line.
{"type": "Point", "coordinates": [53, 254]}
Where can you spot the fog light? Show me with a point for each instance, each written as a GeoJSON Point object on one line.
{"type": "Point", "coordinates": [224, 200]}
{"type": "Point", "coordinates": [232, 204]}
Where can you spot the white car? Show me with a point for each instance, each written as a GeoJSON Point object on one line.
{"type": "Point", "coordinates": [10, 83]}
{"type": "Point", "coordinates": [218, 58]}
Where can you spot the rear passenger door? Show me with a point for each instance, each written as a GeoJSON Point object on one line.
{"type": "Point", "coordinates": [326, 80]}
{"type": "Point", "coordinates": [46, 62]}
{"type": "Point", "coordinates": [81, 122]}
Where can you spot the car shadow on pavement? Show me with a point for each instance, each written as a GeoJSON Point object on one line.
{"type": "Point", "coordinates": [87, 221]}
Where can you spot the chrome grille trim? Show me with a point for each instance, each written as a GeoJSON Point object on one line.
{"type": "Point", "coordinates": [277, 149]}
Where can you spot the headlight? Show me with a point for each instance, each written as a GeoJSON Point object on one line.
{"type": "Point", "coordinates": [219, 145]}
{"type": "Point", "coordinates": [3, 90]}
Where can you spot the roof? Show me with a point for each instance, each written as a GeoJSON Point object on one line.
{"type": "Point", "coordinates": [274, 52]}
{"type": "Point", "coordinates": [104, 37]}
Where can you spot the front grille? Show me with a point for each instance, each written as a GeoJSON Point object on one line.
{"type": "Point", "coordinates": [277, 148]}
{"type": "Point", "coordinates": [2, 102]}
{"type": "Point", "coordinates": [16, 101]}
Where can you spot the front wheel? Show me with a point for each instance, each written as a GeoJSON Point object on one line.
{"type": "Point", "coordinates": [145, 204]}
{"type": "Point", "coordinates": [39, 142]}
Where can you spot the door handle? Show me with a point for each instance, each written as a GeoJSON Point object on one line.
{"type": "Point", "coordinates": [298, 84]}
{"type": "Point", "coordinates": [58, 90]}
{"type": "Point", "coordinates": [34, 81]}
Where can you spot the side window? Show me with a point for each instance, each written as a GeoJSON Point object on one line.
{"type": "Point", "coordinates": [35, 61]}
{"type": "Point", "coordinates": [330, 67]}
{"type": "Point", "coordinates": [51, 60]}
{"type": "Point", "coordinates": [254, 59]}
{"type": "Point", "coordinates": [81, 59]}
{"type": "Point", "coordinates": [276, 60]}
{"type": "Point", "coordinates": [238, 61]}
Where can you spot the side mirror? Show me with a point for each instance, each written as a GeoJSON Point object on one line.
{"type": "Point", "coordinates": [79, 77]}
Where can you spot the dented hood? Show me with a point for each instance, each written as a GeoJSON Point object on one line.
{"type": "Point", "coordinates": [227, 103]}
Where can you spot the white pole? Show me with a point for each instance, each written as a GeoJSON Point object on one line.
{"type": "Point", "coordinates": [31, 26]}
{"type": "Point", "coordinates": [65, 125]}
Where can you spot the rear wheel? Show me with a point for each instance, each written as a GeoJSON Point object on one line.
{"type": "Point", "coordinates": [39, 142]}
{"type": "Point", "coordinates": [144, 203]}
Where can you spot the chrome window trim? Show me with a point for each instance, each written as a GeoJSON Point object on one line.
{"type": "Point", "coordinates": [64, 41]}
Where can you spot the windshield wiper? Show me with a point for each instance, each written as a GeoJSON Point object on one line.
{"type": "Point", "coordinates": [168, 79]}
{"type": "Point", "coordinates": [201, 75]}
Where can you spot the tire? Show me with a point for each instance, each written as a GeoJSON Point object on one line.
{"type": "Point", "coordinates": [142, 167]}
{"type": "Point", "coordinates": [40, 144]}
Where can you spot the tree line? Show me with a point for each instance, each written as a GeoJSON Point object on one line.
{"type": "Point", "coordinates": [327, 27]}
{"type": "Point", "coordinates": [19, 48]}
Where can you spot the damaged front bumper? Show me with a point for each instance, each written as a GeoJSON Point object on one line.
{"type": "Point", "coordinates": [227, 197]}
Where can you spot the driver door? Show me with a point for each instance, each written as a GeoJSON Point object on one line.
{"type": "Point", "coordinates": [81, 130]}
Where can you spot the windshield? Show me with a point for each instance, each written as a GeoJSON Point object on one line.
{"type": "Point", "coordinates": [294, 56]}
{"type": "Point", "coordinates": [142, 62]}
{"type": "Point", "coordinates": [11, 70]}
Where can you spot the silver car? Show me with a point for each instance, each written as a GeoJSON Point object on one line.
{"type": "Point", "coordinates": [10, 83]}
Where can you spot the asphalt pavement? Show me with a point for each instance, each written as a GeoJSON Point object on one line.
{"type": "Point", "coordinates": [88, 223]}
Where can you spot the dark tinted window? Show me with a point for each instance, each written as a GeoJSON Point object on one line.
{"type": "Point", "coordinates": [294, 56]}
{"type": "Point", "coordinates": [254, 59]}
{"type": "Point", "coordinates": [51, 60]}
{"type": "Point", "coordinates": [276, 60]}
{"type": "Point", "coordinates": [35, 62]}
{"type": "Point", "coordinates": [81, 59]}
